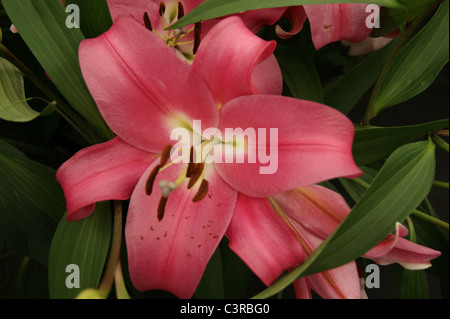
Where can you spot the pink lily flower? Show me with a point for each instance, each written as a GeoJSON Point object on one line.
{"type": "Point", "coordinates": [144, 91]}
{"type": "Point", "coordinates": [329, 22]}
{"type": "Point", "coordinates": [312, 213]}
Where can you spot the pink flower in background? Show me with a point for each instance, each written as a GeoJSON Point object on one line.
{"type": "Point", "coordinates": [144, 91]}
{"type": "Point", "coordinates": [329, 22]}
{"type": "Point", "coordinates": [313, 213]}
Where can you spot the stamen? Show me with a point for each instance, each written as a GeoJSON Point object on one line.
{"type": "Point", "coordinates": [151, 180]}
{"type": "Point", "coordinates": [162, 9]}
{"type": "Point", "coordinates": [197, 36]}
{"type": "Point", "coordinates": [147, 22]}
{"type": "Point", "coordinates": [202, 191]}
{"type": "Point", "coordinates": [198, 170]}
{"type": "Point", "coordinates": [191, 164]}
{"type": "Point", "coordinates": [165, 155]}
{"type": "Point", "coordinates": [180, 10]}
{"type": "Point", "coordinates": [161, 208]}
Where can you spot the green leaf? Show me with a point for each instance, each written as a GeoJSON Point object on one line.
{"type": "Point", "coordinates": [418, 63]}
{"type": "Point", "coordinates": [95, 17]}
{"type": "Point", "coordinates": [218, 8]}
{"type": "Point", "coordinates": [399, 187]}
{"type": "Point", "coordinates": [376, 143]}
{"type": "Point", "coordinates": [299, 72]}
{"type": "Point", "coordinates": [211, 286]}
{"type": "Point", "coordinates": [356, 190]}
{"type": "Point", "coordinates": [392, 19]}
{"type": "Point", "coordinates": [83, 243]}
{"type": "Point", "coordinates": [414, 284]}
{"type": "Point", "coordinates": [42, 25]}
{"type": "Point", "coordinates": [344, 92]}
{"type": "Point", "coordinates": [13, 106]}
{"type": "Point", "coordinates": [31, 203]}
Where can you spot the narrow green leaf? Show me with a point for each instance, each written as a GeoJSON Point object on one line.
{"type": "Point", "coordinates": [414, 284]}
{"type": "Point", "coordinates": [418, 63]}
{"type": "Point", "coordinates": [218, 8]}
{"type": "Point", "coordinates": [344, 93]}
{"type": "Point", "coordinates": [95, 17]}
{"type": "Point", "coordinates": [83, 243]}
{"type": "Point", "coordinates": [42, 25]}
{"type": "Point", "coordinates": [392, 19]}
{"type": "Point", "coordinates": [31, 203]}
{"type": "Point", "coordinates": [399, 187]}
{"type": "Point", "coordinates": [376, 143]}
{"type": "Point", "coordinates": [211, 286]}
{"type": "Point", "coordinates": [299, 72]}
{"type": "Point", "coordinates": [355, 189]}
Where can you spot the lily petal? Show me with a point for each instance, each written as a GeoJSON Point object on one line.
{"type": "Point", "coordinates": [172, 254]}
{"type": "Point", "coordinates": [297, 17]}
{"type": "Point", "coordinates": [409, 255]}
{"type": "Point", "coordinates": [144, 90]}
{"type": "Point", "coordinates": [337, 283]}
{"type": "Point", "coordinates": [302, 290]}
{"type": "Point", "coordinates": [227, 57]}
{"type": "Point", "coordinates": [101, 172]}
{"type": "Point", "coordinates": [256, 19]}
{"type": "Point", "coordinates": [317, 208]}
{"type": "Point", "coordinates": [340, 282]}
{"type": "Point", "coordinates": [334, 22]}
{"type": "Point", "coordinates": [134, 9]}
{"type": "Point", "coordinates": [312, 143]}
{"type": "Point", "coordinates": [261, 239]}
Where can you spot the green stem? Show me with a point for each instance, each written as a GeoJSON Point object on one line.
{"type": "Point", "coordinates": [401, 41]}
{"type": "Point", "coordinates": [440, 142]}
{"type": "Point", "coordinates": [121, 290]}
{"type": "Point", "coordinates": [64, 110]}
{"type": "Point", "coordinates": [8, 255]}
{"type": "Point", "coordinates": [360, 182]}
{"type": "Point", "coordinates": [441, 184]}
{"type": "Point", "coordinates": [430, 219]}
{"type": "Point", "coordinates": [107, 281]}
{"type": "Point", "coordinates": [412, 231]}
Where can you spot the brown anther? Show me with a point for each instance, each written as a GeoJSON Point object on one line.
{"type": "Point", "coordinates": [151, 180]}
{"type": "Point", "coordinates": [197, 36]}
{"type": "Point", "coordinates": [161, 208]}
{"type": "Point", "coordinates": [147, 22]}
{"type": "Point", "coordinates": [180, 10]}
{"type": "Point", "coordinates": [191, 164]}
{"type": "Point", "coordinates": [198, 170]}
{"type": "Point", "coordinates": [162, 9]}
{"type": "Point", "coordinates": [202, 191]}
{"type": "Point", "coordinates": [165, 155]}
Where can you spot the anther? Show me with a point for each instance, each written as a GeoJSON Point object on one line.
{"type": "Point", "coordinates": [162, 9]}
{"type": "Point", "coordinates": [151, 180]}
{"type": "Point", "coordinates": [191, 164]}
{"type": "Point", "coordinates": [197, 36]}
{"type": "Point", "coordinates": [198, 170]}
{"type": "Point", "coordinates": [161, 208]}
{"type": "Point", "coordinates": [202, 191]}
{"type": "Point", "coordinates": [147, 22]}
{"type": "Point", "coordinates": [165, 155]}
{"type": "Point", "coordinates": [180, 10]}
